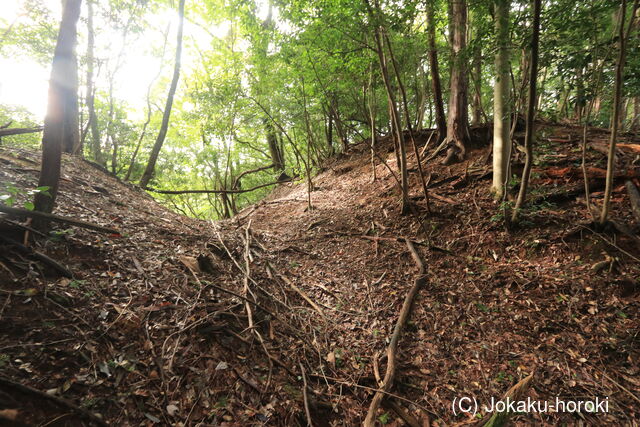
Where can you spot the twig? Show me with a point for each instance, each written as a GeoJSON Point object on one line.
{"type": "Point", "coordinates": [395, 337]}
{"type": "Point", "coordinates": [305, 397]}
{"type": "Point", "coordinates": [299, 292]}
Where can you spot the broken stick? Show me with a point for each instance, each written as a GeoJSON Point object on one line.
{"type": "Point", "coordinates": [392, 350]}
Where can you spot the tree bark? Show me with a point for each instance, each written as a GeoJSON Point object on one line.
{"type": "Point", "coordinates": [153, 157]}
{"type": "Point", "coordinates": [56, 130]}
{"type": "Point", "coordinates": [274, 148]}
{"type": "Point", "coordinates": [458, 122]}
{"type": "Point", "coordinates": [501, 112]}
{"type": "Point", "coordinates": [71, 116]}
{"type": "Point", "coordinates": [441, 121]}
{"type": "Point", "coordinates": [531, 109]}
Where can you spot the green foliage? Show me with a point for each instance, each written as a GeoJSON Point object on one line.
{"type": "Point", "coordinates": [294, 72]}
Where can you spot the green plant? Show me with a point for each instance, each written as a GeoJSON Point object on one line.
{"type": "Point", "coordinates": [12, 193]}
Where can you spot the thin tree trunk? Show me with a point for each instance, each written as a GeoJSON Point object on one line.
{"type": "Point", "coordinates": [395, 117]}
{"type": "Point", "coordinates": [531, 109]}
{"type": "Point", "coordinates": [95, 147]}
{"type": "Point", "coordinates": [501, 113]}
{"type": "Point", "coordinates": [457, 123]}
{"type": "Point", "coordinates": [476, 116]}
{"type": "Point", "coordinates": [71, 116]}
{"type": "Point", "coordinates": [441, 121]}
{"type": "Point", "coordinates": [622, 36]}
{"type": "Point", "coordinates": [408, 120]}
{"type": "Point", "coordinates": [153, 157]}
{"type": "Point", "coordinates": [56, 131]}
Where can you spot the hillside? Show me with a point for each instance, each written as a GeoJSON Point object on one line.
{"type": "Point", "coordinates": [176, 321]}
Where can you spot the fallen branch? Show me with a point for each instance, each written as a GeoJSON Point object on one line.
{"type": "Point", "coordinates": [19, 131]}
{"type": "Point", "coordinates": [395, 337]}
{"type": "Point", "coordinates": [65, 272]}
{"type": "Point", "coordinates": [24, 213]}
{"type": "Point", "coordinates": [82, 413]}
{"type": "Point", "coordinates": [257, 187]}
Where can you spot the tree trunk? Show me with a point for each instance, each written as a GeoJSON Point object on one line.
{"type": "Point", "coordinates": [96, 149]}
{"type": "Point", "coordinates": [617, 97]}
{"type": "Point", "coordinates": [56, 130]}
{"type": "Point", "coordinates": [153, 157]}
{"type": "Point", "coordinates": [531, 109]}
{"type": "Point", "coordinates": [71, 116]}
{"type": "Point", "coordinates": [580, 99]}
{"type": "Point", "coordinates": [501, 113]}
{"type": "Point", "coordinates": [395, 117]}
{"type": "Point", "coordinates": [274, 148]}
{"type": "Point", "coordinates": [458, 123]}
{"type": "Point", "coordinates": [476, 115]}
{"type": "Point", "coordinates": [441, 121]}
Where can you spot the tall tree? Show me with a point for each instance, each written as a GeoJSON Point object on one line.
{"type": "Point", "coordinates": [62, 87]}
{"type": "Point", "coordinates": [441, 121]}
{"type": "Point", "coordinates": [153, 157]}
{"type": "Point", "coordinates": [458, 121]}
{"type": "Point", "coordinates": [531, 109]}
{"type": "Point", "coordinates": [95, 146]}
{"type": "Point", "coordinates": [396, 125]}
{"type": "Point", "coordinates": [617, 96]}
{"type": "Point", "coordinates": [501, 113]}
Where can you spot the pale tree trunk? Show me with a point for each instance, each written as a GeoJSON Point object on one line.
{"type": "Point", "coordinates": [441, 121]}
{"type": "Point", "coordinates": [531, 109]}
{"type": "Point", "coordinates": [458, 120]}
{"type": "Point", "coordinates": [501, 112]}
{"type": "Point", "coordinates": [56, 130]}
{"type": "Point", "coordinates": [95, 147]}
{"type": "Point", "coordinates": [153, 157]}
{"type": "Point", "coordinates": [635, 124]}
{"type": "Point", "coordinates": [617, 97]}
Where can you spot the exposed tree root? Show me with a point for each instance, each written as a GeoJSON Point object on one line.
{"type": "Point", "coordinates": [392, 350]}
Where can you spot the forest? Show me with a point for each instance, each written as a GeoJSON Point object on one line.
{"type": "Point", "coordinates": [321, 213]}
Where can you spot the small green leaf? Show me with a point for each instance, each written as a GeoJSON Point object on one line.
{"type": "Point", "coordinates": [29, 206]}
{"type": "Point", "coordinates": [384, 418]}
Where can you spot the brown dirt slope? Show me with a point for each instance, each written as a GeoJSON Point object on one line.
{"type": "Point", "coordinates": [146, 334]}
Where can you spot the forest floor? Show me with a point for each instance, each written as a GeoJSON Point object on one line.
{"type": "Point", "coordinates": [176, 321]}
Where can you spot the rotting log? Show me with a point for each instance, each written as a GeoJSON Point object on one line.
{"type": "Point", "coordinates": [24, 213]}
